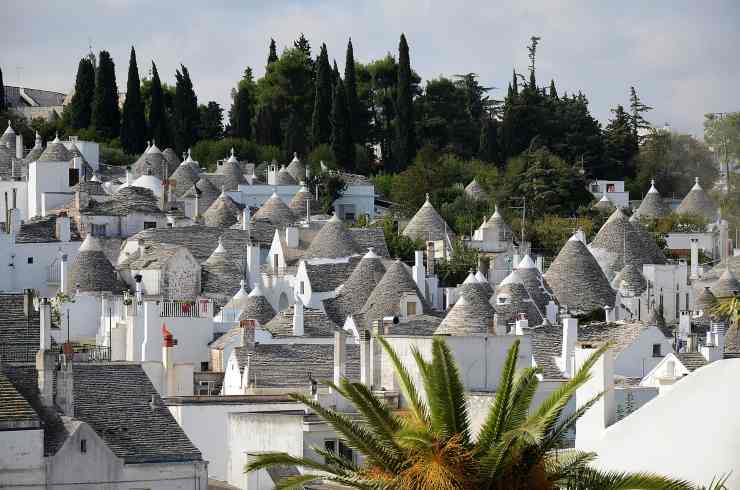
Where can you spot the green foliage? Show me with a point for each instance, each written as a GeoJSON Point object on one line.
{"type": "Point", "coordinates": [330, 188]}
{"type": "Point", "coordinates": [186, 117]}
{"type": "Point", "coordinates": [405, 144]}
{"type": "Point", "coordinates": [159, 95]}
{"type": "Point", "coordinates": [430, 444]}
{"type": "Point", "coordinates": [133, 124]}
{"type": "Point", "coordinates": [321, 153]}
{"type": "Point", "coordinates": [673, 160]}
{"type": "Point", "coordinates": [722, 134]}
{"type": "Point", "coordinates": [549, 233]}
{"type": "Point", "coordinates": [272, 56]}
{"type": "Point", "coordinates": [620, 147]}
{"type": "Point", "coordinates": [637, 108]}
{"type": "Point", "coordinates": [399, 246]}
{"type": "Point", "coordinates": [210, 126]}
{"type": "Point", "coordinates": [114, 156]}
{"type": "Point", "coordinates": [320, 121]}
{"type": "Point", "coordinates": [207, 152]}
{"type": "Point", "coordinates": [341, 138]}
{"type": "Point", "coordinates": [353, 103]}
{"type": "Point", "coordinates": [294, 136]}
{"type": "Point", "coordinates": [79, 111]}
{"type": "Point", "coordinates": [488, 145]}
{"type": "Point", "coordinates": [461, 261]}
{"type": "Point", "coordinates": [106, 118]}
{"type": "Point", "coordinates": [242, 111]}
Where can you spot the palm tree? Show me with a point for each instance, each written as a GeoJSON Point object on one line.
{"type": "Point", "coordinates": [728, 307]}
{"type": "Point", "coordinates": [429, 445]}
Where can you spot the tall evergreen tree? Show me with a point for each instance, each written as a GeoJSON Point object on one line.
{"type": "Point", "coordinates": [341, 140]}
{"type": "Point", "coordinates": [185, 111]}
{"type": "Point", "coordinates": [620, 147]}
{"type": "Point", "coordinates": [242, 108]}
{"type": "Point", "coordinates": [488, 148]}
{"type": "Point", "coordinates": [405, 147]}
{"type": "Point", "coordinates": [79, 110]}
{"type": "Point", "coordinates": [133, 124]}
{"type": "Point", "coordinates": [3, 102]}
{"type": "Point", "coordinates": [272, 56]}
{"type": "Point", "coordinates": [106, 117]}
{"type": "Point", "coordinates": [335, 74]}
{"type": "Point", "coordinates": [305, 47]}
{"type": "Point", "coordinates": [553, 92]}
{"type": "Point", "coordinates": [266, 126]}
{"type": "Point", "coordinates": [320, 122]}
{"type": "Point", "coordinates": [637, 108]}
{"type": "Point", "coordinates": [158, 123]}
{"type": "Point", "coordinates": [211, 126]}
{"type": "Point", "coordinates": [350, 86]}
{"type": "Point", "coordinates": [294, 136]}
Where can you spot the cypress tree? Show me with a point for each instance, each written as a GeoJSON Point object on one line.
{"type": "Point", "coordinates": [320, 124]}
{"type": "Point", "coordinates": [553, 91]}
{"type": "Point", "coordinates": [405, 138]}
{"type": "Point", "coordinates": [341, 142]}
{"type": "Point", "coordinates": [242, 109]}
{"type": "Point", "coordinates": [488, 149]}
{"type": "Point", "coordinates": [294, 139]}
{"type": "Point", "coordinates": [106, 117]}
{"type": "Point", "coordinates": [350, 86]}
{"type": "Point", "coordinates": [185, 110]}
{"type": "Point", "coordinates": [335, 75]}
{"type": "Point", "coordinates": [133, 124]}
{"type": "Point", "coordinates": [79, 111]}
{"type": "Point", "coordinates": [3, 102]}
{"type": "Point", "coordinates": [265, 126]}
{"type": "Point", "coordinates": [272, 56]}
{"type": "Point", "coordinates": [158, 127]}
{"type": "Point", "coordinates": [514, 83]}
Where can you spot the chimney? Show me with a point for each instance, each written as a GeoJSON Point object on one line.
{"type": "Point", "coordinates": [365, 359]}
{"type": "Point", "coordinates": [291, 236]}
{"type": "Point", "coordinates": [298, 318]}
{"type": "Point", "coordinates": [46, 362]}
{"type": "Point", "coordinates": [196, 211]}
{"type": "Point", "coordinates": [684, 324]}
{"type": "Point", "coordinates": [15, 221]}
{"type": "Point", "coordinates": [128, 175]}
{"type": "Point", "coordinates": [168, 363]}
{"type": "Point", "coordinates": [44, 323]}
{"type": "Point", "coordinates": [570, 337]}
{"type": "Point", "coordinates": [540, 264]}
{"type": "Point", "coordinates": [430, 258]}
{"type": "Point", "coordinates": [65, 388]}
{"type": "Point", "coordinates": [19, 146]}
{"type": "Point", "coordinates": [340, 355]}
{"type": "Point", "coordinates": [246, 218]}
{"type": "Point", "coordinates": [551, 311]}
{"type": "Point", "coordinates": [139, 291]}
{"type": "Point", "coordinates": [418, 271]}
{"type": "Point", "coordinates": [140, 247]}
{"type": "Point", "coordinates": [610, 314]}
{"type": "Point", "coordinates": [253, 264]}
{"type": "Point", "coordinates": [63, 233]}
{"type": "Point", "coordinates": [520, 324]}
{"type": "Point", "coordinates": [499, 325]}
{"type": "Point", "coordinates": [43, 203]}
{"type": "Point", "coordinates": [163, 196]}
{"type": "Point", "coordinates": [694, 259]}
{"type": "Point", "coordinates": [247, 333]}
{"type": "Point", "coordinates": [591, 426]}
{"type": "Point", "coordinates": [63, 274]}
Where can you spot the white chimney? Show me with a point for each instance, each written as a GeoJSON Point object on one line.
{"type": "Point", "coordinates": [196, 210]}
{"type": "Point", "coordinates": [128, 175]}
{"type": "Point", "coordinates": [684, 325]}
{"type": "Point", "coordinates": [246, 218]}
{"type": "Point", "coordinates": [340, 355]}
{"type": "Point", "coordinates": [591, 426]}
{"type": "Point", "coordinates": [247, 333]}
{"type": "Point", "coordinates": [168, 362]}
{"type": "Point", "coordinates": [419, 272]}
{"type": "Point", "coordinates": [291, 236]}
{"type": "Point", "coordinates": [499, 325]}
{"type": "Point", "coordinates": [540, 264]}
{"type": "Point", "coordinates": [551, 312]}
{"type": "Point", "coordinates": [365, 359]}
{"type": "Point", "coordinates": [63, 232]}
{"type": "Point", "coordinates": [141, 248]}
{"type": "Point", "coordinates": [609, 314]}
{"type": "Point", "coordinates": [724, 241]}
{"type": "Point", "coordinates": [44, 323]}
{"type": "Point", "coordinates": [694, 258]}
{"type": "Point", "coordinates": [298, 318]}
{"type": "Point", "coordinates": [570, 337]}
{"type": "Point", "coordinates": [520, 324]}
{"type": "Point", "coordinates": [253, 264]}
{"type": "Point", "coordinates": [64, 274]}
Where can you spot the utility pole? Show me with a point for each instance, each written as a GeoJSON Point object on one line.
{"type": "Point", "coordinates": [523, 207]}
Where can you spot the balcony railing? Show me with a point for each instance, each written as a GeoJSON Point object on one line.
{"type": "Point", "coordinates": [202, 308]}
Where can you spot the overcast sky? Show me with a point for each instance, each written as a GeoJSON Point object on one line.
{"type": "Point", "coordinates": [681, 55]}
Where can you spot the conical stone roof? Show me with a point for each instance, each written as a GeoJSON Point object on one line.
{"type": "Point", "coordinates": [427, 224]}
{"type": "Point", "coordinates": [604, 205]}
{"type": "Point", "coordinates": [297, 169]}
{"type": "Point", "coordinates": [285, 178]}
{"type": "Point", "coordinates": [194, 165]}
{"type": "Point", "coordinates": [91, 270]}
{"type": "Point", "coordinates": [353, 294]}
{"type": "Point", "coordinates": [55, 152]}
{"type": "Point", "coordinates": [469, 315]}
{"type": "Point", "coordinates": [535, 283]}
{"type": "Point", "coordinates": [231, 171]}
{"type": "Point", "coordinates": [257, 307]}
{"type": "Point", "coordinates": [275, 211]}
{"type": "Point", "coordinates": [172, 160]}
{"type": "Point", "coordinates": [697, 202]}
{"type": "Point", "coordinates": [239, 301]}
{"type": "Point", "coordinates": [652, 206]}
{"type": "Point", "coordinates": [618, 236]}
{"type": "Point", "coordinates": [474, 191]}
{"type": "Point", "coordinates": [222, 213]}
{"type": "Point", "coordinates": [631, 281]}
{"type": "Point", "coordinates": [705, 301]}
{"type": "Point", "coordinates": [220, 276]}
{"type": "Point", "coordinates": [385, 300]}
{"type": "Point", "coordinates": [208, 194]}
{"type": "Point", "coordinates": [8, 138]}
{"type": "Point", "coordinates": [184, 177]}
{"type": "Point", "coordinates": [577, 279]}
{"type": "Point", "coordinates": [333, 241]}
{"type": "Point", "coordinates": [512, 298]}
{"type": "Point", "coordinates": [36, 151]}
{"type": "Point", "coordinates": [6, 162]}
{"type": "Point", "coordinates": [499, 226]}
{"type": "Point", "coordinates": [726, 286]}
{"type": "Point", "coordinates": [300, 200]}
{"type": "Point", "coordinates": [152, 159]}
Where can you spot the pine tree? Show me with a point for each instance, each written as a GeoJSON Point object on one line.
{"type": "Point", "coordinates": [532, 49]}
{"type": "Point", "coordinates": [405, 148]}
{"type": "Point", "coordinates": [341, 141]}
{"type": "Point", "coordinates": [553, 91]}
{"type": "Point", "coordinates": [320, 124]}
{"type": "Point", "coordinates": [185, 109]}
{"type": "Point", "coordinates": [514, 83]}
{"type": "Point", "coordinates": [211, 126]}
{"type": "Point", "coordinates": [133, 123]}
{"type": "Point", "coordinates": [158, 124]}
{"type": "Point", "coordinates": [350, 86]}
{"type": "Point", "coordinates": [79, 110]}
{"type": "Point", "coordinates": [3, 103]}
{"type": "Point", "coordinates": [272, 57]}
{"type": "Point", "coordinates": [636, 109]}
{"type": "Point", "coordinates": [106, 117]}
{"type": "Point", "coordinates": [242, 109]}
{"type": "Point", "coordinates": [619, 147]}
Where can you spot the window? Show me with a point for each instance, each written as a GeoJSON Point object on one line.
{"type": "Point", "coordinates": [657, 350]}
{"type": "Point", "coordinates": [610, 188]}
{"type": "Point", "coordinates": [344, 451]}
{"type": "Point", "coordinates": [670, 369]}
{"type": "Point", "coordinates": [30, 260]}
{"type": "Point", "coordinates": [410, 308]}
{"type": "Point", "coordinates": [204, 365]}
{"type": "Point", "coordinates": [594, 187]}
{"type": "Point", "coordinates": [74, 177]}
{"type": "Point", "coordinates": [275, 263]}
{"type": "Point", "coordinates": [83, 445]}
{"type": "Point", "coordinates": [150, 224]}
{"type": "Point", "coordinates": [303, 288]}
{"type": "Point", "coordinates": [98, 230]}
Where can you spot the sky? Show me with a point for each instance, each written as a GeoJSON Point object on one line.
{"type": "Point", "coordinates": [680, 55]}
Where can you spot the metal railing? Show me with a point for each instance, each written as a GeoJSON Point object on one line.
{"type": "Point", "coordinates": [54, 273]}
{"type": "Point", "coordinates": [188, 309]}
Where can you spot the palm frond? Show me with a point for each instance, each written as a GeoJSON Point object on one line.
{"type": "Point", "coordinates": [564, 464]}
{"type": "Point", "coordinates": [446, 395]}
{"type": "Point", "coordinates": [267, 460]}
{"type": "Point", "coordinates": [555, 436]}
{"type": "Point", "coordinates": [378, 416]}
{"type": "Point", "coordinates": [592, 479]}
{"type": "Point", "coordinates": [525, 386]}
{"type": "Point", "coordinates": [296, 482]}
{"type": "Point", "coordinates": [493, 427]}
{"type": "Point", "coordinates": [408, 389]}
{"type": "Point", "coordinates": [332, 458]}
{"type": "Point", "coordinates": [355, 434]}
